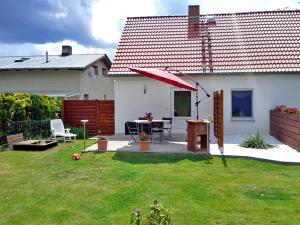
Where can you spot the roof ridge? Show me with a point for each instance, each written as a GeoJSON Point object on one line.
{"type": "Point", "coordinates": [216, 14]}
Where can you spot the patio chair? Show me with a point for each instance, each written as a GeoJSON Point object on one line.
{"type": "Point", "coordinates": [133, 130]}
{"type": "Point", "coordinates": [157, 129]}
{"type": "Point", "coordinates": [59, 132]}
{"type": "Point", "coordinates": [168, 125]}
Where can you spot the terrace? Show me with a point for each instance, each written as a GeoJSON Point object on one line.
{"type": "Point", "coordinates": [280, 153]}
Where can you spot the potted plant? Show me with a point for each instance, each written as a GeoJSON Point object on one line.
{"type": "Point", "coordinates": [102, 142]}
{"type": "Point", "coordinates": [144, 143]}
{"type": "Point", "coordinates": [148, 116]}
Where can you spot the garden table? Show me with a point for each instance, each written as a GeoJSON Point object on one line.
{"type": "Point", "coordinates": [142, 122]}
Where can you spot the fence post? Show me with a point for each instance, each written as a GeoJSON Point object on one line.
{"type": "Point", "coordinates": [63, 109]}
{"type": "Point", "coordinates": [222, 119]}
{"type": "Point", "coordinates": [219, 117]}
{"type": "Point", "coordinates": [97, 116]}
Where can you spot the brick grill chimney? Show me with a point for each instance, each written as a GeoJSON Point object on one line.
{"type": "Point", "coordinates": [66, 50]}
{"type": "Point", "coordinates": [194, 21]}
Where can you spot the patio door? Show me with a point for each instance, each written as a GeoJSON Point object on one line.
{"type": "Point", "coordinates": [182, 109]}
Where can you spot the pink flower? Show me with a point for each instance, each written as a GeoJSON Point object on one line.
{"type": "Point", "coordinates": [292, 110]}
{"type": "Point", "coordinates": [284, 109]}
{"type": "Point", "coordinates": [281, 108]}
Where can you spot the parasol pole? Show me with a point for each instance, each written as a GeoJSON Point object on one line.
{"type": "Point", "coordinates": [197, 87]}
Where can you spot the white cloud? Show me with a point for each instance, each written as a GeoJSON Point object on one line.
{"type": "Point", "coordinates": [53, 48]}
{"type": "Point", "coordinates": [286, 4]}
{"type": "Point", "coordinates": [231, 6]}
{"type": "Point", "coordinates": [109, 17]}
{"type": "Point", "coordinates": [60, 15]}
{"type": "Point", "coordinates": [23, 49]}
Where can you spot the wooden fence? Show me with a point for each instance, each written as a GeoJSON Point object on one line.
{"type": "Point", "coordinates": [286, 128]}
{"type": "Point", "coordinates": [219, 117]}
{"type": "Point", "coordinates": [100, 114]}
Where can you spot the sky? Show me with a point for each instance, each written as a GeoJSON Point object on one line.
{"type": "Point", "coordinates": [32, 27]}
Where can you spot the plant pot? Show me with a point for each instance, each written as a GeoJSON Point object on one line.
{"type": "Point", "coordinates": [144, 145]}
{"type": "Point", "coordinates": [102, 144]}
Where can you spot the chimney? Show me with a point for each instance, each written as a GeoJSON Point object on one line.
{"type": "Point", "coordinates": [66, 50]}
{"type": "Point", "coordinates": [194, 10]}
{"type": "Point", "coordinates": [194, 21]}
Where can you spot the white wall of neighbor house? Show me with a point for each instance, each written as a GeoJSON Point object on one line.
{"type": "Point", "coordinates": [269, 90]}
{"type": "Point", "coordinates": [96, 86]}
{"type": "Point", "coordinates": [40, 81]}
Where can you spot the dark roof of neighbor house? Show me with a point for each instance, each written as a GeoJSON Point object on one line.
{"type": "Point", "coordinates": [73, 62]}
{"type": "Point", "coordinates": [237, 43]}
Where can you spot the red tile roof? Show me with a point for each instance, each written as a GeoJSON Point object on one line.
{"type": "Point", "coordinates": [240, 42]}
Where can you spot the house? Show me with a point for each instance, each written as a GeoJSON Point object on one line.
{"type": "Point", "coordinates": [253, 56]}
{"type": "Point", "coordinates": [67, 75]}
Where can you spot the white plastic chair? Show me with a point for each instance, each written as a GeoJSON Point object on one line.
{"type": "Point", "coordinates": [59, 132]}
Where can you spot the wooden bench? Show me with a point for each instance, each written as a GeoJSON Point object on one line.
{"type": "Point", "coordinates": [12, 139]}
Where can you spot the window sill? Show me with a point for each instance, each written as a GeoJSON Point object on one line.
{"type": "Point", "coordinates": [242, 119]}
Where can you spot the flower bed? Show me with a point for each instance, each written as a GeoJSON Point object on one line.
{"type": "Point", "coordinates": [285, 125]}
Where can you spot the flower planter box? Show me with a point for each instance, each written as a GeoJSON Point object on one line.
{"type": "Point", "coordinates": [286, 128]}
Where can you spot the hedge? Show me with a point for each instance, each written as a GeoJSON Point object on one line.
{"type": "Point", "coordinates": [25, 108]}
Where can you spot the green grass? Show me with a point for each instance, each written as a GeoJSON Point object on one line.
{"type": "Point", "coordinates": [49, 188]}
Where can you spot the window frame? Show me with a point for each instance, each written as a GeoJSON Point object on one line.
{"type": "Point", "coordinates": [86, 96]}
{"type": "Point", "coordinates": [96, 70]}
{"type": "Point", "coordinates": [242, 118]}
{"type": "Point", "coordinates": [173, 113]}
{"type": "Point", "coordinates": [104, 72]}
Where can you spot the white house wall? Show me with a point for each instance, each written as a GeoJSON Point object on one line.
{"type": "Point", "coordinates": [99, 87]}
{"type": "Point", "coordinates": [268, 91]}
{"type": "Point", "coordinates": [131, 102]}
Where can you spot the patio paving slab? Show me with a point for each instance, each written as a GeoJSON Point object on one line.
{"type": "Point", "coordinates": [280, 153]}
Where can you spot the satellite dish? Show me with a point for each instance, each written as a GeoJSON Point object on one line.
{"type": "Point", "coordinates": [91, 73]}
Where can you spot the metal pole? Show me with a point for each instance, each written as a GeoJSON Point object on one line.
{"type": "Point", "coordinates": [84, 122]}
{"type": "Point", "coordinates": [197, 87]}
{"type": "Point", "coordinates": [197, 102]}
{"type": "Point", "coordinates": [83, 136]}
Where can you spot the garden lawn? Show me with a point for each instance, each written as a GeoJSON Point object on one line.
{"type": "Point", "coordinates": [49, 188]}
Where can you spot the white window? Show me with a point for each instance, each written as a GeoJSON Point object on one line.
{"type": "Point", "coordinates": [242, 104]}
{"type": "Point", "coordinates": [86, 96]}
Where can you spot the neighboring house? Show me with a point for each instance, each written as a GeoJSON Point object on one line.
{"type": "Point", "coordinates": [70, 76]}
{"type": "Point", "coordinates": [254, 57]}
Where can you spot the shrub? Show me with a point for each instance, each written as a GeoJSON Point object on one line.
{"type": "Point", "coordinates": [144, 136]}
{"type": "Point", "coordinates": [31, 128]}
{"type": "Point", "coordinates": [158, 216]}
{"type": "Point", "coordinates": [79, 131]}
{"type": "Point", "coordinates": [23, 108]}
{"type": "Point", "coordinates": [36, 107]}
{"type": "Point", "coordinates": [49, 107]}
{"type": "Point", "coordinates": [256, 141]}
{"type": "Point", "coordinates": [7, 112]}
